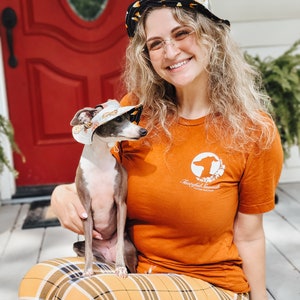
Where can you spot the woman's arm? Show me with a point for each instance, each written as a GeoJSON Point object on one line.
{"type": "Point", "coordinates": [68, 208]}
{"type": "Point", "coordinates": [249, 237]}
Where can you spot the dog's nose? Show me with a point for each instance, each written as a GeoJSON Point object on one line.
{"type": "Point", "coordinates": [143, 132]}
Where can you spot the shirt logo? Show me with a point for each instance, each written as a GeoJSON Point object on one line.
{"type": "Point", "coordinates": [207, 168]}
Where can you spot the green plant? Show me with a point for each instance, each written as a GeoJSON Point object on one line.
{"type": "Point", "coordinates": [281, 81]}
{"type": "Point", "coordinates": [6, 129]}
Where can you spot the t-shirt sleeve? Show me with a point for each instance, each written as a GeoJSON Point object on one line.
{"type": "Point", "coordinates": [129, 99]}
{"type": "Point", "coordinates": [258, 184]}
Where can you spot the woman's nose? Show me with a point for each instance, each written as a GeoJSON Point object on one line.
{"type": "Point", "coordinates": [170, 49]}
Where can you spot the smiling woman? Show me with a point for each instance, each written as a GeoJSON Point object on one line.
{"type": "Point", "coordinates": [88, 10]}
{"type": "Point", "coordinates": [199, 182]}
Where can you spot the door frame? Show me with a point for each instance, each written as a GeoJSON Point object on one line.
{"type": "Point", "coordinates": [7, 180]}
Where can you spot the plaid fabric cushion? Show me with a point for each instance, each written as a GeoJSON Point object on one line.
{"type": "Point", "coordinates": [61, 279]}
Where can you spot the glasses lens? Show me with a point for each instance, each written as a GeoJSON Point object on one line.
{"type": "Point", "coordinates": [178, 35]}
{"type": "Point", "coordinates": [155, 45]}
{"type": "Point", "coordinates": [182, 33]}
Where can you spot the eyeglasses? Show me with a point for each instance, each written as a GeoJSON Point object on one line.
{"type": "Point", "coordinates": [178, 37]}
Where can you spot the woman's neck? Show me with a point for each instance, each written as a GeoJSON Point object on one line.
{"type": "Point", "coordinates": [193, 103]}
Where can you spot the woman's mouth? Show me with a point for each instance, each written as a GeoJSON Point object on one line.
{"type": "Point", "coordinates": [178, 65]}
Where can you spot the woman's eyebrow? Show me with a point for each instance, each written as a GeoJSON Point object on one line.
{"type": "Point", "coordinates": [159, 37]}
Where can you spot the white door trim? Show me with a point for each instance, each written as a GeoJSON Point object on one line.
{"type": "Point", "coordinates": [7, 180]}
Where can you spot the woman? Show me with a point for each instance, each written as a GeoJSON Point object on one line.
{"type": "Point", "coordinates": [201, 180]}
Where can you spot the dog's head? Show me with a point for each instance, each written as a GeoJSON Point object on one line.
{"type": "Point", "coordinates": [108, 121]}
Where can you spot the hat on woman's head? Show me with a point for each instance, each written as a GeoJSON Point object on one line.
{"type": "Point", "coordinates": [136, 9]}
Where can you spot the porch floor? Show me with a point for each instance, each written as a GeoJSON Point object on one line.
{"type": "Point", "coordinates": [20, 249]}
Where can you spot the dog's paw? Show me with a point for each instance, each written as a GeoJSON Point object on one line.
{"type": "Point", "coordinates": [88, 273]}
{"type": "Point", "coordinates": [121, 272]}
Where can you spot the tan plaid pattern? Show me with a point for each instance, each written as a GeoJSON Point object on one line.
{"type": "Point", "coordinates": [61, 279]}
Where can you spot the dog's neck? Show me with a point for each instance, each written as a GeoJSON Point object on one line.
{"type": "Point", "coordinates": [98, 153]}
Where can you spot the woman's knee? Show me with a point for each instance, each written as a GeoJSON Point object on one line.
{"type": "Point", "coordinates": [44, 280]}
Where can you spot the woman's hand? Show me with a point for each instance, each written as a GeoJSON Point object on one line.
{"type": "Point", "coordinates": [68, 208]}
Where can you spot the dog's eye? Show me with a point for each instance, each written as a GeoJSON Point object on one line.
{"type": "Point", "coordinates": [119, 119]}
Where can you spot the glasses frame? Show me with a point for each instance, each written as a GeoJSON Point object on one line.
{"type": "Point", "coordinates": [174, 40]}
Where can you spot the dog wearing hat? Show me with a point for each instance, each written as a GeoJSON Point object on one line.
{"type": "Point", "coordinates": [101, 183]}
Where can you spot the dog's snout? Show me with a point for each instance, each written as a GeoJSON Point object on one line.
{"type": "Point", "coordinates": [143, 132]}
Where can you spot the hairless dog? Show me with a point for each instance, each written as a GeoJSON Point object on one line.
{"type": "Point", "coordinates": [101, 183]}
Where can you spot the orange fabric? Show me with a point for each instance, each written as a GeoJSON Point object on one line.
{"type": "Point", "coordinates": [182, 202]}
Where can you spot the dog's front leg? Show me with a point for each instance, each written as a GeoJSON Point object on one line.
{"type": "Point", "coordinates": [88, 231]}
{"type": "Point", "coordinates": [121, 269]}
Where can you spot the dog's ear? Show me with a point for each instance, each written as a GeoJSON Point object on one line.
{"type": "Point", "coordinates": [84, 116]}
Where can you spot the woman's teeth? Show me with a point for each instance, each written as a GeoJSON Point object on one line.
{"type": "Point", "coordinates": [178, 65]}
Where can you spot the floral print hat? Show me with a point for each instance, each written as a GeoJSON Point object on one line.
{"type": "Point", "coordinates": [88, 119]}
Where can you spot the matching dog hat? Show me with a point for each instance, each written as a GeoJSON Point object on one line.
{"type": "Point", "coordinates": [88, 119]}
{"type": "Point", "coordinates": [137, 8]}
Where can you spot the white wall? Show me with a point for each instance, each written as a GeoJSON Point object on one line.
{"type": "Point", "coordinates": [256, 10]}
{"type": "Point", "coordinates": [266, 28]}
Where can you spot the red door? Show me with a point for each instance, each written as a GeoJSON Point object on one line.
{"type": "Point", "coordinates": [63, 63]}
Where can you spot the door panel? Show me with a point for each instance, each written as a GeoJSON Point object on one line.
{"type": "Point", "coordinates": [64, 63]}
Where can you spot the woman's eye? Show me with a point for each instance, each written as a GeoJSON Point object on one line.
{"type": "Point", "coordinates": [180, 35]}
{"type": "Point", "coordinates": [155, 45]}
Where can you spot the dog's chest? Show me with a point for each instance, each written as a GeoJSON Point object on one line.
{"type": "Point", "coordinates": [99, 178]}
{"type": "Point", "coordinates": [99, 184]}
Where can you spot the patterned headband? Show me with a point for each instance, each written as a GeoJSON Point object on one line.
{"type": "Point", "coordinates": [136, 9]}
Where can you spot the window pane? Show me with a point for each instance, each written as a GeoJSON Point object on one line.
{"type": "Point", "coordinates": [88, 10]}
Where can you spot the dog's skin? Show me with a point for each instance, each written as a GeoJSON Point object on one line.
{"type": "Point", "coordinates": [102, 188]}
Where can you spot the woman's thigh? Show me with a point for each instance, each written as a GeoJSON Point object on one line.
{"type": "Point", "coordinates": [62, 279]}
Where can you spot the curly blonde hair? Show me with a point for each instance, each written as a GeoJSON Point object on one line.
{"type": "Point", "coordinates": [234, 86]}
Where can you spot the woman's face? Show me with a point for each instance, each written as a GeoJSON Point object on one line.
{"type": "Point", "coordinates": [174, 50]}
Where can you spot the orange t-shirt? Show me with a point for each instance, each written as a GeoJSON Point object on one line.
{"type": "Point", "coordinates": [182, 202]}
